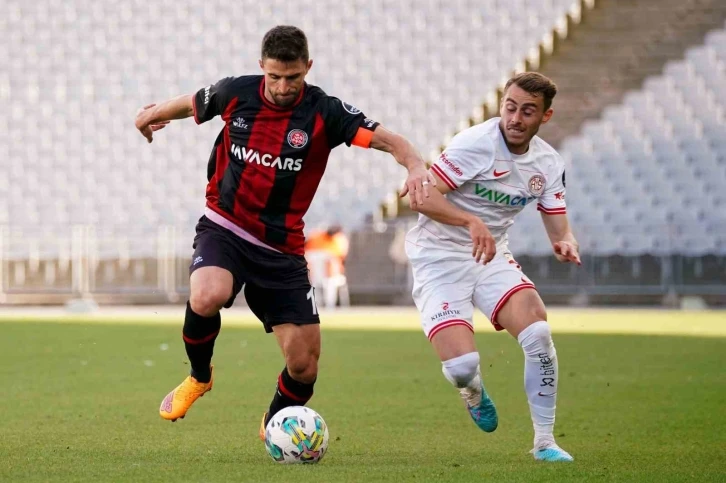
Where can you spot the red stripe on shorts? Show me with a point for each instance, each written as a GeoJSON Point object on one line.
{"type": "Point", "coordinates": [449, 323]}
{"type": "Point", "coordinates": [504, 300]}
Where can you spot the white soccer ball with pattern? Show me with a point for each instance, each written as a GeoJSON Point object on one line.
{"type": "Point", "coordinates": [296, 434]}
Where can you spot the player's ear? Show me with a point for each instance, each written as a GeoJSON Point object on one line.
{"type": "Point", "coordinates": [310, 65]}
{"type": "Point", "coordinates": [261, 64]}
{"type": "Point", "coordinates": [547, 115]}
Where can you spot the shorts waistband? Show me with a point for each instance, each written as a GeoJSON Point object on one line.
{"type": "Point", "coordinates": [215, 217]}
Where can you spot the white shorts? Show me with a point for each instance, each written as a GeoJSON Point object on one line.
{"type": "Point", "coordinates": [448, 285]}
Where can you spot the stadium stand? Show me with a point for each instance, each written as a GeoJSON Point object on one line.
{"type": "Point", "coordinates": [646, 177]}
{"type": "Point", "coordinates": [83, 68]}
{"type": "Point", "coordinates": [86, 206]}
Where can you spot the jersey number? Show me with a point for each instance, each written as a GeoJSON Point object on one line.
{"type": "Point", "coordinates": [311, 297]}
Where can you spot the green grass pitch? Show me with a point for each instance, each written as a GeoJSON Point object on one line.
{"type": "Point", "coordinates": [80, 403]}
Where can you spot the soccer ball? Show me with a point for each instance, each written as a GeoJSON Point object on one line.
{"type": "Point", "coordinates": [296, 434]}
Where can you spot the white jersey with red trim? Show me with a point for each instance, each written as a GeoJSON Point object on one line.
{"type": "Point", "coordinates": [492, 183]}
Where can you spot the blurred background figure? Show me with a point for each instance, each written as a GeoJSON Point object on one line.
{"type": "Point", "coordinates": [326, 252]}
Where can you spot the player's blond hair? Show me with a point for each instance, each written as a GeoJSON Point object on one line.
{"type": "Point", "coordinates": [535, 84]}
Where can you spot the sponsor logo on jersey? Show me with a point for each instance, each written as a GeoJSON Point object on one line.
{"type": "Point", "coordinates": [240, 123]}
{"type": "Point", "coordinates": [206, 94]}
{"type": "Point", "coordinates": [498, 174]}
{"type": "Point", "coordinates": [253, 156]}
{"type": "Point", "coordinates": [445, 306]}
{"type": "Point", "coordinates": [560, 195]}
{"type": "Point", "coordinates": [197, 260]}
{"type": "Point", "coordinates": [501, 198]}
{"type": "Point", "coordinates": [536, 184]}
{"type": "Point", "coordinates": [445, 159]}
{"type": "Point", "coordinates": [297, 138]}
{"type": "Point", "coordinates": [350, 108]}
{"type": "Point", "coordinates": [367, 122]}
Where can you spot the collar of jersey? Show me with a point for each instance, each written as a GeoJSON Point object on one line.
{"type": "Point", "coordinates": [274, 106]}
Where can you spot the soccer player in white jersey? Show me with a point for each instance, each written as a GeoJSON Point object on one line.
{"type": "Point", "coordinates": [488, 174]}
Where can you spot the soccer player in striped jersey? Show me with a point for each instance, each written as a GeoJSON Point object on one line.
{"type": "Point", "coordinates": [263, 172]}
{"type": "Point", "coordinates": [487, 175]}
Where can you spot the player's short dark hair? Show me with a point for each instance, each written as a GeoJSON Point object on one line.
{"type": "Point", "coordinates": [285, 43]}
{"type": "Point", "coordinates": [536, 84]}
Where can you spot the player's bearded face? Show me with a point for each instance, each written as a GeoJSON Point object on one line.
{"type": "Point", "coordinates": [522, 114]}
{"type": "Point", "coordinates": [284, 80]}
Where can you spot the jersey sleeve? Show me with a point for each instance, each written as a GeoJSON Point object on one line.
{"type": "Point", "coordinates": [552, 201]}
{"type": "Point", "coordinates": [212, 100]}
{"type": "Point", "coordinates": [462, 160]}
{"type": "Point", "coordinates": [345, 123]}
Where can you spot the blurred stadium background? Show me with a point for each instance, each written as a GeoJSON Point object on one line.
{"type": "Point", "coordinates": [88, 210]}
{"type": "Point", "coordinates": [91, 213]}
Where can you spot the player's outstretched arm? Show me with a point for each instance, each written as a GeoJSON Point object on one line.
{"type": "Point", "coordinates": [438, 208]}
{"type": "Point", "coordinates": [419, 178]}
{"type": "Point", "coordinates": [563, 241]}
{"type": "Point", "coordinates": [153, 117]}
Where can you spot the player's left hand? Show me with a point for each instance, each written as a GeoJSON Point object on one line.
{"type": "Point", "coordinates": [146, 129]}
{"type": "Point", "coordinates": [417, 185]}
{"type": "Point", "coordinates": [566, 252]}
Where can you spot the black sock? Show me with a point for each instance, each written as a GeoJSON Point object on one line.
{"type": "Point", "coordinates": [289, 392]}
{"type": "Point", "coordinates": [199, 334]}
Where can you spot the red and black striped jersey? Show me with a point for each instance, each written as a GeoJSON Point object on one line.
{"type": "Point", "coordinates": [267, 161]}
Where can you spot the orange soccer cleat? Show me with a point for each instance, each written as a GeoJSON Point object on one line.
{"type": "Point", "coordinates": [176, 404]}
{"type": "Point", "coordinates": [262, 426]}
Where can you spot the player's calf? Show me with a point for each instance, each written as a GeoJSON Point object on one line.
{"type": "Point", "coordinates": [301, 346]}
{"type": "Point", "coordinates": [541, 377]}
{"type": "Point", "coordinates": [303, 367]}
{"type": "Point", "coordinates": [289, 392]}
{"type": "Point", "coordinates": [199, 335]}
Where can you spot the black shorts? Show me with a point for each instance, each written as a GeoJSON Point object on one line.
{"type": "Point", "coordinates": [276, 285]}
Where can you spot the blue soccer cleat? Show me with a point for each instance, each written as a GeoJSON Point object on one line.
{"type": "Point", "coordinates": [485, 414]}
{"type": "Point", "coordinates": [551, 452]}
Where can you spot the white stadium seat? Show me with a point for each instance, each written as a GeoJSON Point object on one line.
{"type": "Point", "coordinates": [84, 77]}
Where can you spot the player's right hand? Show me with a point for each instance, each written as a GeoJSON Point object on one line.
{"type": "Point", "coordinates": [142, 124]}
{"type": "Point", "coordinates": [482, 241]}
{"type": "Point", "coordinates": [566, 252]}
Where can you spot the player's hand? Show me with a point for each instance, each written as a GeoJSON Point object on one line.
{"type": "Point", "coordinates": [417, 185]}
{"type": "Point", "coordinates": [482, 241]}
{"type": "Point", "coordinates": [566, 252]}
{"type": "Point", "coordinates": [147, 130]}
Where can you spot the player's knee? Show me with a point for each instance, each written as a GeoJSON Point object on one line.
{"type": "Point", "coordinates": [303, 368]}
{"type": "Point", "coordinates": [530, 306]}
{"type": "Point", "coordinates": [462, 369]}
{"type": "Point", "coordinates": [541, 331]}
{"type": "Point", "coordinates": [207, 301]}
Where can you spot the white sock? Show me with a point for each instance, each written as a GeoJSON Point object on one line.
{"type": "Point", "coordinates": [540, 379]}
{"type": "Point", "coordinates": [463, 372]}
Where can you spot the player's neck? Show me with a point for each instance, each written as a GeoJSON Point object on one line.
{"type": "Point", "coordinates": [269, 97]}
{"type": "Point", "coordinates": [519, 149]}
